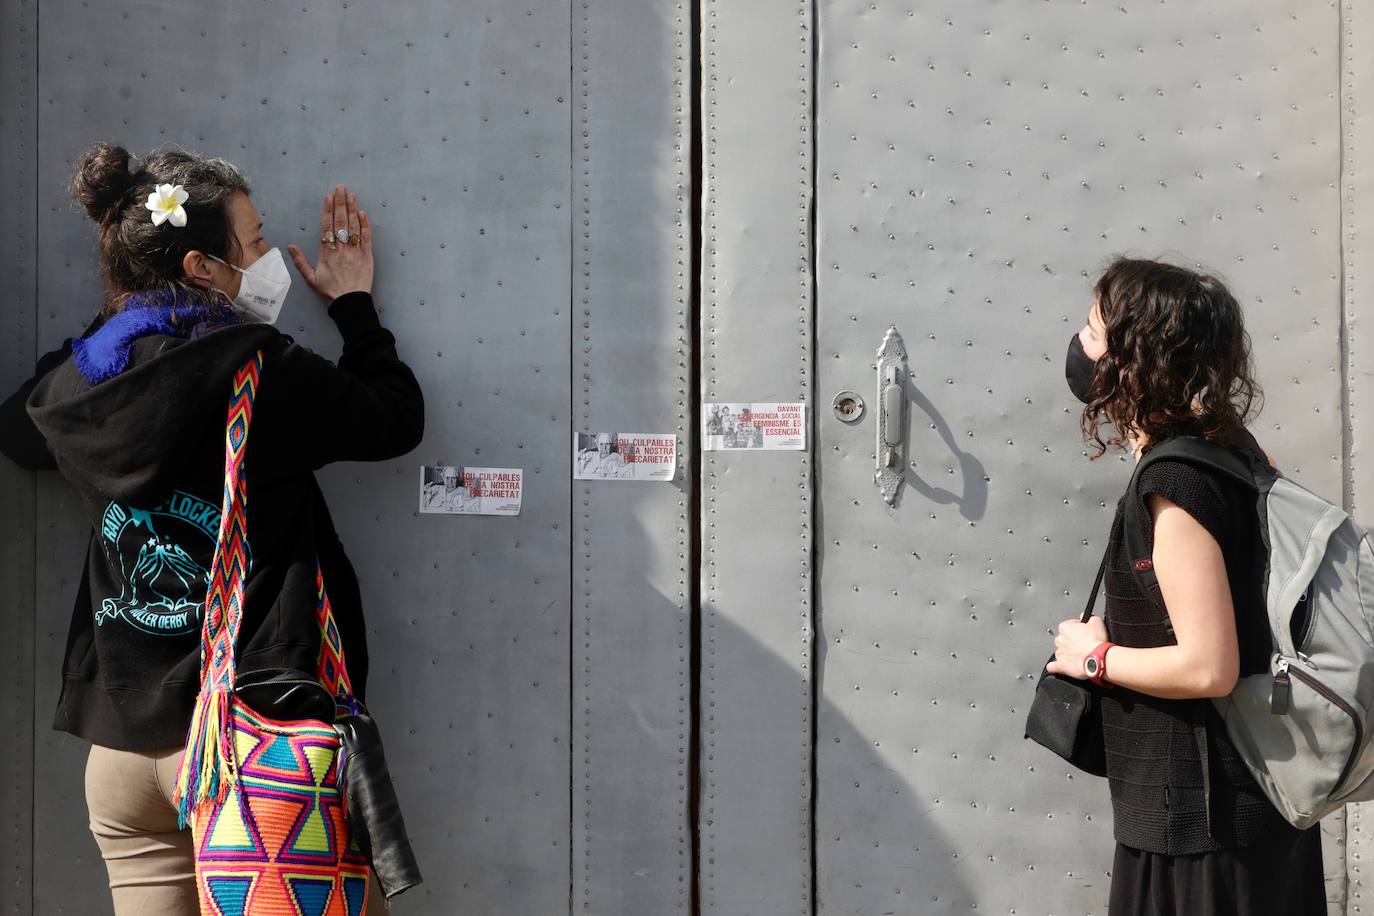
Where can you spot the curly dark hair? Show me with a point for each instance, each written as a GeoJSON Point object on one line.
{"type": "Point", "coordinates": [135, 255]}
{"type": "Point", "coordinates": [1178, 358]}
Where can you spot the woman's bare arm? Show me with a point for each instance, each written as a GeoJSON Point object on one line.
{"type": "Point", "coordinates": [1197, 593]}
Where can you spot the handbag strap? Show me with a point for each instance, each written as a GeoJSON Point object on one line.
{"type": "Point", "coordinates": [209, 766]}
{"type": "Point", "coordinates": [1097, 584]}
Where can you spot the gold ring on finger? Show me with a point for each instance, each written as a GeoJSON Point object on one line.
{"type": "Point", "coordinates": [328, 237]}
{"type": "Point", "coordinates": [353, 240]}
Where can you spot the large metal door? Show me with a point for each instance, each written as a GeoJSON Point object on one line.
{"type": "Point", "coordinates": [527, 167]}
{"type": "Point", "coordinates": [955, 170]}
{"type": "Point", "coordinates": [976, 164]}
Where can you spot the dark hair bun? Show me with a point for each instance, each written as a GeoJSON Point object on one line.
{"type": "Point", "coordinates": [101, 180]}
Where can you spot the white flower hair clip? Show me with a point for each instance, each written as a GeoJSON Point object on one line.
{"type": "Point", "coordinates": [166, 204]}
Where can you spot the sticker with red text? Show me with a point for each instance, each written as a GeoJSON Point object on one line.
{"type": "Point", "coordinates": [449, 490]}
{"type": "Point", "coordinates": [624, 456]}
{"type": "Point", "coordinates": [767, 426]}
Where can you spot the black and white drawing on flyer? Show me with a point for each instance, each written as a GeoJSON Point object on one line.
{"type": "Point", "coordinates": [449, 490]}
{"type": "Point", "coordinates": [763, 425]}
{"type": "Point", "coordinates": [624, 456]}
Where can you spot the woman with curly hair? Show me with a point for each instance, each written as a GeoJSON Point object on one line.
{"type": "Point", "coordinates": [1165, 353]}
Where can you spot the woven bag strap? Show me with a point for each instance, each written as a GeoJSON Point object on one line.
{"type": "Point", "coordinates": [229, 568]}
{"type": "Point", "coordinates": [208, 767]}
{"type": "Point", "coordinates": [332, 670]}
{"type": "Point", "coordinates": [224, 602]}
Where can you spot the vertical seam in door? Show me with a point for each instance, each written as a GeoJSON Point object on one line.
{"type": "Point", "coordinates": [694, 566]}
{"type": "Point", "coordinates": [572, 412]}
{"type": "Point", "coordinates": [33, 535]}
{"type": "Point", "coordinates": [705, 371]}
{"type": "Point", "coordinates": [1345, 119]}
{"type": "Point", "coordinates": [1346, 130]}
{"type": "Point", "coordinates": [812, 251]}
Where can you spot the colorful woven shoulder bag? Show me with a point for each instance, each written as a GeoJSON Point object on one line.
{"type": "Point", "coordinates": [265, 794]}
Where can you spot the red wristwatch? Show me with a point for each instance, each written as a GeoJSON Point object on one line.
{"type": "Point", "coordinates": [1095, 665]}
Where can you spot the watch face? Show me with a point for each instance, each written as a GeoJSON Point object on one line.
{"type": "Point", "coordinates": [1090, 666]}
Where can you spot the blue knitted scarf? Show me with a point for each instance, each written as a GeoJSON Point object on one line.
{"type": "Point", "coordinates": [105, 353]}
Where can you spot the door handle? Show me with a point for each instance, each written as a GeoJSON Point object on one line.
{"type": "Point", "coordinates": [891, 452]}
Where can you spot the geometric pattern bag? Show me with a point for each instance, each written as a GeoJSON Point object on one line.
{"type": "Point", "coordinates": [263, 792]}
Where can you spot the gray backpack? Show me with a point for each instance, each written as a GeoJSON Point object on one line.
{"type": "Point", "coordinates": [1304, 728]}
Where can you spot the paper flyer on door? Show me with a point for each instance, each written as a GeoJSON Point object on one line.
{"type": "Point", "coordinates": [624, 456]}
{"type": "Point", "coordinates": [765, 425]}
{"type": "Point", "coordinates": [450, 490]}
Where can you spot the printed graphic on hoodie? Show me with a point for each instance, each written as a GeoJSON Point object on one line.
{"type": "Point", "coordinates": [164, 585]}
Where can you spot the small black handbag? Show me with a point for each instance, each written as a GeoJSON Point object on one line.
{"type": "Point", "coordinates": [1066, 716]}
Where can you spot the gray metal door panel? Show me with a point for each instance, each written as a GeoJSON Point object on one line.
{"type": "Point", "coordinates": [18, 551]}
{"type": "Point", "coordinates": [68, 873]}
{"type": "Point", "coordinates": [756, 522]}
{"type": "Point", "coordinates": [631, 681]}
{"type": "Point", "coordinates": [453, 125]}
{"type": "Point", "coordinates": [975, 166]}
{"type": "Point", "coordinates": [468, 616]}
{"type": "Point", "coordinates": [528, 172]}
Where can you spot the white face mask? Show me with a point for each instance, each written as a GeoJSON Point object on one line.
{"type": "Point", "coordinates": [263, 287]}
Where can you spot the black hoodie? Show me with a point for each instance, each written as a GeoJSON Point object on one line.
{"type": "Point", "coordinates": [145, 450]}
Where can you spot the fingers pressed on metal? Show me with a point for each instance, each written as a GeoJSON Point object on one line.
{"type": "Point", "coordinates": [302, 264]}
{"type": "Point", "coordinates": [340, 208]}
{"type": "Point", "coordinates": [327, 223]}
{"type": "Point", "coordinates": [353, 226]}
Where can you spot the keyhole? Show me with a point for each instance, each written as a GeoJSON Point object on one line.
{"type": "Point", "coordinates": [848, 407]}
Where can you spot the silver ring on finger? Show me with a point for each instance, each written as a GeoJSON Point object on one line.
{"type": "Point", "coordinates": [343, 236]}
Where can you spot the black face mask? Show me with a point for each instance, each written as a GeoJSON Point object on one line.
{"type": "Point", "coordinates": [1078, 369]}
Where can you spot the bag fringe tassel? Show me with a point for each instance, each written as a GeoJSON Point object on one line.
{"type": "Point", "coordinates": [208, 768]}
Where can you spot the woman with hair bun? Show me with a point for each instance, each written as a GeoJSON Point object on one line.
{"type": "Point", "coordinates": [133, 415]}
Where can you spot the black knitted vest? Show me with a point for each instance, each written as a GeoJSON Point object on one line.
{"type": "Point", "coordinates": [1154, 746]}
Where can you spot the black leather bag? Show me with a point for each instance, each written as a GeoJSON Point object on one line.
{"type": "Point", "coordinates": [373, 812]}
{"type": "Point", "coordinates": [285, 694]}
{"type": "Point", "coordinates": [374, 815]}
{"type": "Point", "coordinates": [1065, 715]}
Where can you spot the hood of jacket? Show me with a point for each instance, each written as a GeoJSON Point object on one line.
{"type": "Point", "coordinates": [130, 437]}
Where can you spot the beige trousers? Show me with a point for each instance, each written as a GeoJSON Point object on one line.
{"type": "Point", "coordinates": [151, 863]}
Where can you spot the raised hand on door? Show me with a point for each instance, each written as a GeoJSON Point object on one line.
{"type": "Point", "coordinates": [344, 263]}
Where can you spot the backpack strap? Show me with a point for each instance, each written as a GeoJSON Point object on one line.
{"type": "Point", "coordinates": [1245, 464]}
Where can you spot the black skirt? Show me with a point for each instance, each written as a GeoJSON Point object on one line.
{"type": "Point", "coordinates": [1279, 876]}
